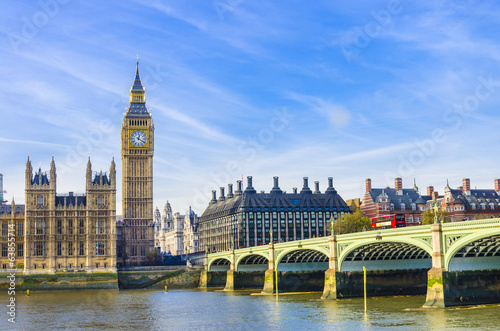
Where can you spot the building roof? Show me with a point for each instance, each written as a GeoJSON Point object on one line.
{"type": "Point", "coordinates": [44, 178]}
{"type": "Point", "coordinates": [7, 209]}
{"type": "Point", "coordinates": [71, 200]}
{"type": "Point", "coordinates": [476, 197]}
{"type": "Point", "coordinates": [276, 200]}
{"type": "Point", "coordinates": [408, 197]}
{"type": "Point", "coordinates": [135, 108]}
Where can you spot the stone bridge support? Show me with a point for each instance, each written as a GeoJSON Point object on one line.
{"type": "Point", "coordinates": [437, 275]}
{"type": "Point", "coordinates": [330, 290]}
{"type": "Point", "coordinates": [269, 280]}
{"type": "Point", "coordinates": [230, 273]}
{"type": "Point", "coordinates": [204, 273]}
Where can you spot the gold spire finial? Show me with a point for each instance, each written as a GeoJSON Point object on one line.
{"type": "Point", "coordinates": [137, 58]}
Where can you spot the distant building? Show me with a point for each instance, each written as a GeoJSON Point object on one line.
{"type": "Point", "coordinates": [12, 218]}
{"type": "Point", "coordinates": [465, 203]}
{"type": "Point", "coordinates": [177, 234]}
{"type": "Point", "coordinates": [70, 232]}
{"type": "Point", "coordinates": [397, 200]}
{"type": "Point", "coordinates": [246, 218]}
{"type": "Point", "coordinates": [354, 204]}
{"type": "Point", "coordinates": [191, 235]}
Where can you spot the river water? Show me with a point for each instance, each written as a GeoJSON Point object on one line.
{"type": "Point", "coordinates": [217, 310]}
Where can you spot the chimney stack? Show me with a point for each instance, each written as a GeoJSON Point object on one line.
{"type": "Point", "coordinates": [316, 188]}
{"type": "Point", "coordinates": [460, 188]}
{"type": "Point", "coordinates": [238, 187]}
{"type": "Point", "coordinates": [435, 195]}
{"type": "Point", "coordinates": [497, 185]}
{"type": "Point", "coordinates": [398, 185]}
{"type": "Point", "coordinates": [294, 190]}
{"type": "Point", "coordinates": [230, 191]}
{"type": "Point", "coordinates": [368, 185]}
{"type": "Point", "coordinates": [466, 185]}
{"type": "Point", "coordinates": [249, 182]}
{"type": "Point", "coordinates": [430, 189]}
{"type": "Point", "coordinates": [222, 197]}
{"type": "Point", "coordinates": [275, 179]}
{"type": "Point", "coordinates": [214, 197]}
{"type": "Point", "coordinates": [306, 185]}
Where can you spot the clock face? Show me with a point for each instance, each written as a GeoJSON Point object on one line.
{"type": "Point", "coordinates": [138, 138]}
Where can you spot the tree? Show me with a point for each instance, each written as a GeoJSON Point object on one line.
{"type": "Point", "coordinates": [349, 223]}
{"type": "Point", "coordinates": [152, 256]}
{"type": "Point", "coordinates": [482, 216]}
{"type": "Point", "coordinates": [428, 216]}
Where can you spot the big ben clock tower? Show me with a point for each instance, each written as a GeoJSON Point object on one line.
{"type": "Point", "coordinates": [137, 147]}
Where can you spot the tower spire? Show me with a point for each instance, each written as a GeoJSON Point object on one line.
{"type": "Point", "coordinates": [137, 106]}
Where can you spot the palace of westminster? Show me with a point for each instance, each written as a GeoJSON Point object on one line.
{"type": "Point", "coordinates": [70, 232]}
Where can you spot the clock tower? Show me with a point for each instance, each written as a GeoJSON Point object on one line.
{"type": "Point", "coordinates": [137, 147]}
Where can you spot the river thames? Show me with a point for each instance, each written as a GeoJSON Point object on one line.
{"type": "Point", "coordinates": [216, 310]}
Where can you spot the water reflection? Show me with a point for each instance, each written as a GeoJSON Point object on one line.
{"type": "Point", "coordinates": [217, 310]}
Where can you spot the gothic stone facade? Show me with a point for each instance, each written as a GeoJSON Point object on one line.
{"type": "Point", "coordinates": [12, 225]}
{"type": "Point", "coordinates": [70, 232]}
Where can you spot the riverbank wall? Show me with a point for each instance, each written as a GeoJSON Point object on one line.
{"type": "Point", "coordinates": [157, 278]}
{"type": "Point", "coordinates": [61, 281]}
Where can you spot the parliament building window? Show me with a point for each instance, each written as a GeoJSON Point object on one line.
{"type": "Point", "coordinates": [59, 227]}
{"type": "Point", "coordinates": [39, 248]}
{"type": "Point", "coordinates": [101, 248]}
{"type": "Point", "coordinates": [58, 248]}
{"type": "Point", "coordinates": [39, 227]}
{"type": "Point", "coordinates": [70, 227]}
{"type": "Point", "coordinates": [4, 250]}
{"type": "Point", "coordinates": [39, 200]}
{"type": "Point", "coordinates": [70, 249]}
{"type": "Point", "coordinates": [20, 229]}
{"type": "Point", "coordinates": [82, 248]}
{"type": "Point", "coordinates": [100, 201]}
{"type": "Point", "coordinates": [82, 227]}
{"type": "Point", "coordinates": [101, 226]}
{"type": "Point", "coordinates": [5, 229]}
{"type": "Point", "coordinates": [20, 250]}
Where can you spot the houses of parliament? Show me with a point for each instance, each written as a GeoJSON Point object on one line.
{"type": "Point", "coordinates": [78, 232]}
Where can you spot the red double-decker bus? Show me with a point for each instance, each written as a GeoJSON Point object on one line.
{"type": "Point", "coordinates": [388, 222]}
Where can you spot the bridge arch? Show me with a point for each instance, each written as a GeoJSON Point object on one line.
{"type": "Point", "coordinates": [480, 245]}
{"type": "Point", "coordinates": [219, 264]}
{"type": "Point", "coordinates": [304, 258]}
{"type": "Point", "coordinates": [252, 262]}
{"type": "Point", "coordinates": [384, 255]}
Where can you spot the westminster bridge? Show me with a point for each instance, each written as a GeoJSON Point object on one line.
{"type": "Point", "coordinates": [453, 263]}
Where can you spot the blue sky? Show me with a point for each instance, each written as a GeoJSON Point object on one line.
{"type": "Point", "coordinates": [350, 90]}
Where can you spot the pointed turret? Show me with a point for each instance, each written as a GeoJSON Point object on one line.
{"type": "Point", "coordinates": [28, 173]}
{"type": "Point", "coordinates": [53, 173]}
{"type": "Point", "coordinates": [88, 175]}
{"type": "Point", "coordinates": [112, 173]}
{"type": "Point", "coordinates": [137, 106]}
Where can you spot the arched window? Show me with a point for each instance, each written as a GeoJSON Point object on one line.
{"type": "Point", "coordinates": [100, 200]}
{"type": "Point", "coordinates": [39, 200]}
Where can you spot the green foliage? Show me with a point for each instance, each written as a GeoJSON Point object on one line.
{"type": "Point", "coordinates": [349, 223]}
{"type": "Point", "coordinates": [482, 216]}
{"type": "Point", "coordinates": [428, 217]}
{"type": "Point", "coordinates": [152, 256]}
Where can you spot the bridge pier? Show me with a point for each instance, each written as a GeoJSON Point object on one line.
{"type": "Point", "coordinates": [330, 289]}
{"type": "Point", "coordinates": [204, 273]}
{"type": "Point", "coordinates": [437, 275]}
{"type": "Point", "coordinates": [269, 280]}
{"type": "Point", "coordinates": [230, 273]}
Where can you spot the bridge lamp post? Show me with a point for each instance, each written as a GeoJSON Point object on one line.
{"type": "Point", "coordinates": [275, 264]}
